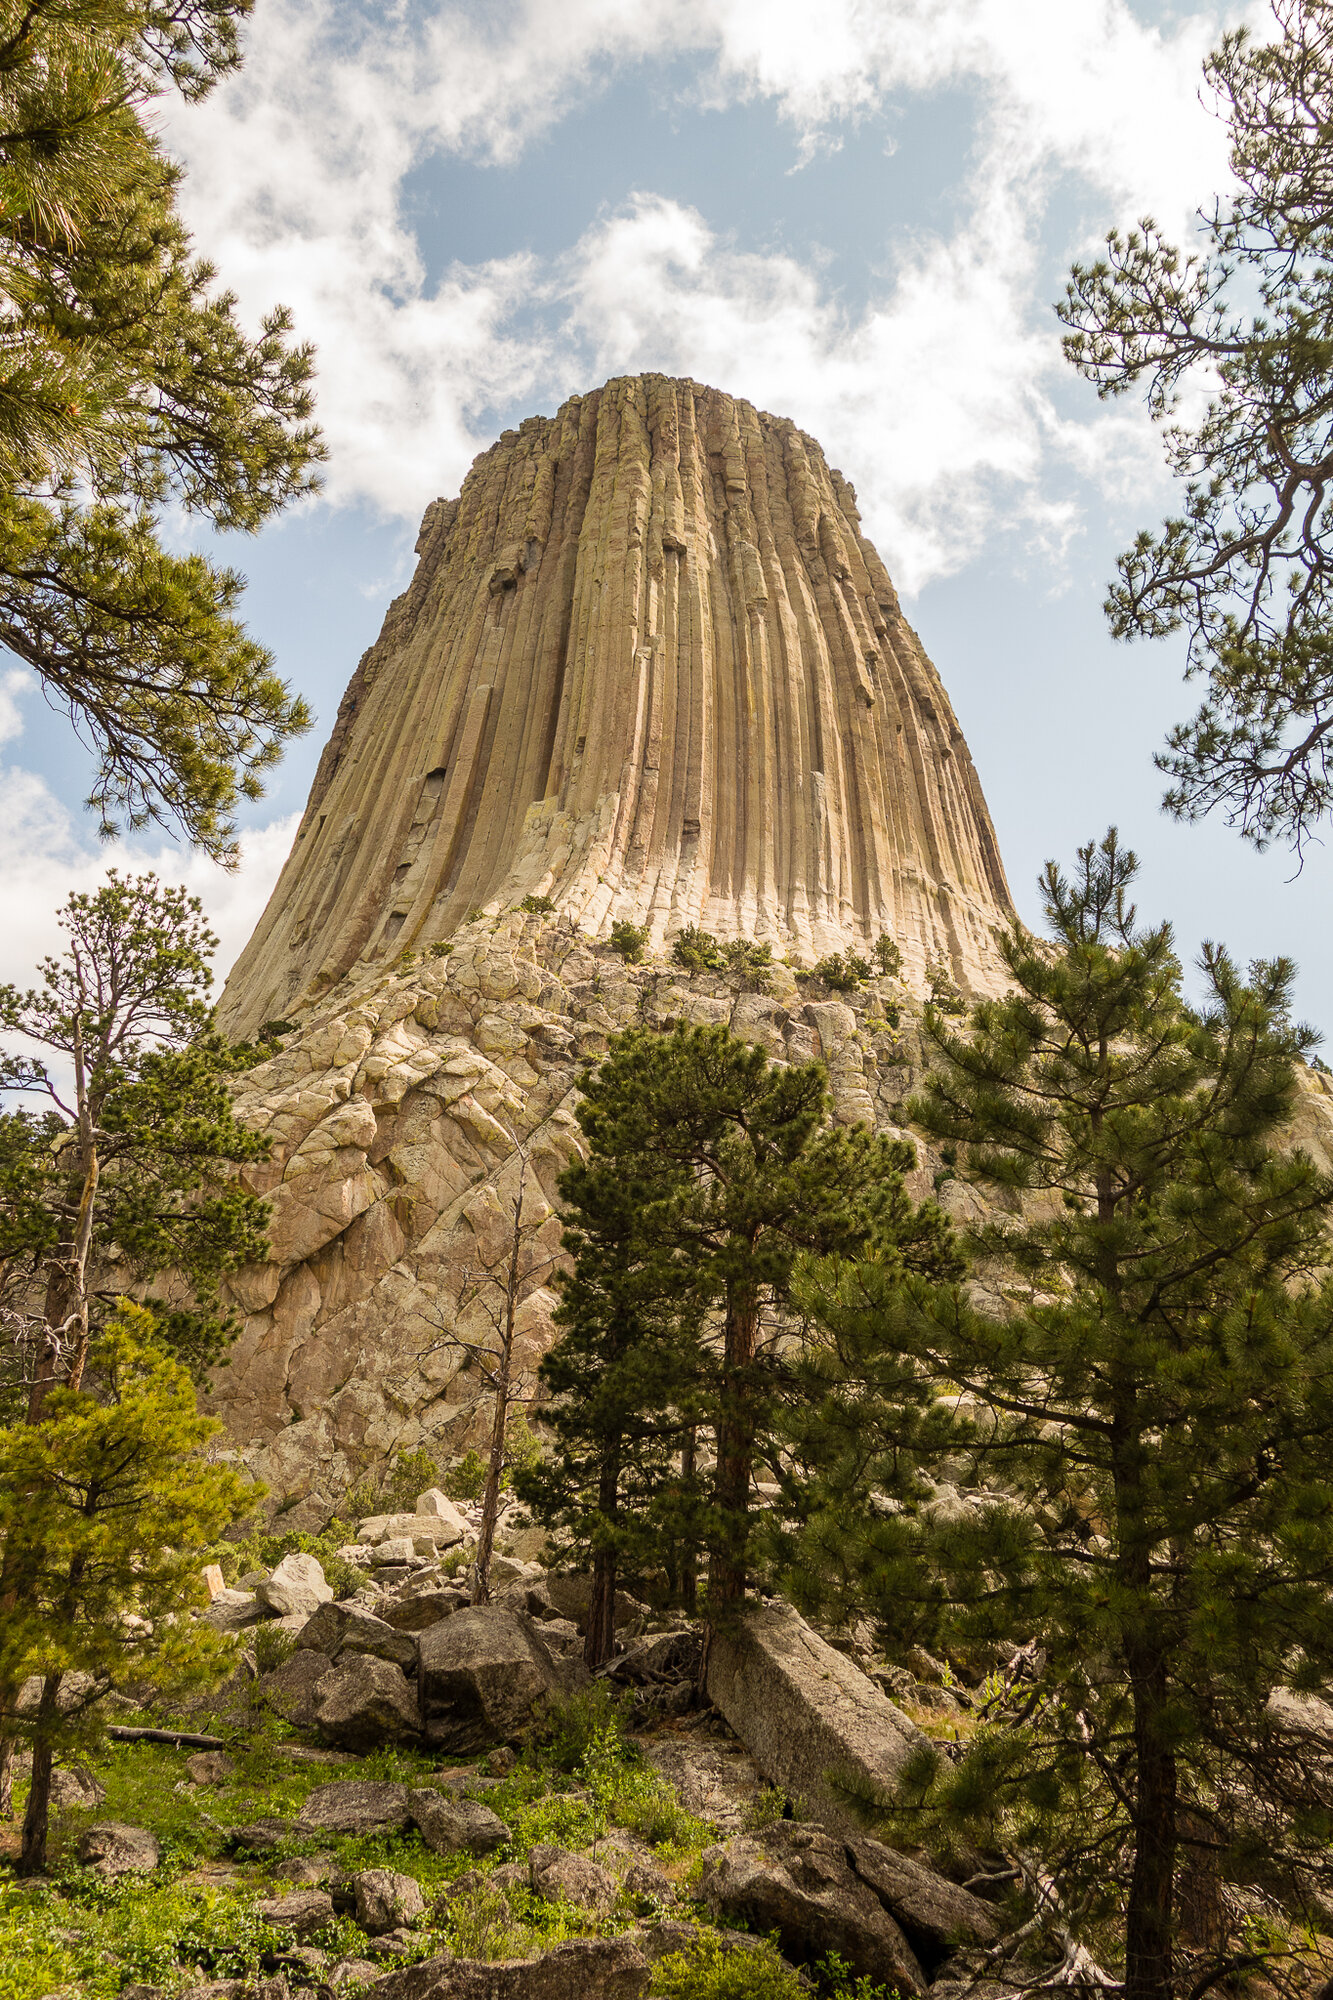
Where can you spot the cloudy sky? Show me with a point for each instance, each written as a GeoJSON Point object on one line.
{"type": "Point", "coordinates": [855, 213]}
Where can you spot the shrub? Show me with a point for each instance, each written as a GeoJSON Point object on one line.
{"type": "Point", "coordinates": [464, 1479]}
{"type": "Point", "coordinates": [272, 1645]}
{"type": "Point", "coordinates": [750, 963]}
{"type": "Point", "coordinates": [536, 906]}
{"type": "Point", "coordinates": [943, 993]}
{"type": "Point", "coordinates": [710, 1969]}
{"type": "Point", "coordinates": [843, 971]}
{"type": "Point", "coordinates": [629, 940]}
{"type": "Point", "coordinates": [592, 1719]}
{"type": "Point", "coordinates": [888, 957]}
{"type": "Point", "coordinates": [412, 1473]}
{"type": "Point", "coordinates": [697, 951]}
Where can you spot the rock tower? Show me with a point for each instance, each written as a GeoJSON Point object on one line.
{"type": "Point", "coordinates": [650, 668]}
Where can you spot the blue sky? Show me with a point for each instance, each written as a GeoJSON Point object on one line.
{"type": "Point", "coordinates": [857, 215]}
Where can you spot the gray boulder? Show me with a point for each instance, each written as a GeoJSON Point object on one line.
{"type": "Point", "coordinates": [798, 1882]}
{"type": "Point", "coordinates": [582, 1969]}
{"type": "Point", "coordinates": [335, 1629]}
{"type": "Point", "coordinates": [362, 1702]}
{"type": "Point", "coordinates": [112, 1848]}
{"type": "Point", "coordinates": [76, 1789]}
{"type": "Point", "coordinates": [262, 1836]}
{"type": "Point", "coordinates": [484, 1678]}
{"type": "Point", "coordinates": [454, 1826]}
{"type": "Point", "coordinates": [934, 1912]}
{"type": "Point", "coordinates": [354, 1805]}
{"type": "Point", "coordinates": [423, 1608]}
{"type": "Point", "coordinates": [297, 1587]}
{"type": "Point", "coordinates": [302, 1910]}
{"type": "Point", "coordinates": [386, 1901]}
{"type": "Point", "coordinates": [210, 1767]}
{"type": "Point", "coordinates": [559, 1876]}
{"type": "Point", "coordinates": [806, 1714]}
{"type": "Point", "coordinates": [233, 1611]}
{"type": "Point", "coordinates": [290, 1689]}
{"type": "Point", "coordinates": [571, 1596]}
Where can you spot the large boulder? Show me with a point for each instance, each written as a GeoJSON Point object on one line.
{"type": "Point", "coordinates": [111, 1848]}
{"type": "Point", "coordinates": [363, 1702]}
{"type": "Point", "coordinates": [301, 1911]}
{"type": "Point", "coordinates": [234, 1611]}
{"type": "Point", "coordinates": [484, 1678]}
{"type": "Point", "coordinates": [336, 1629]}
{"type": "Point", "coordinates": [354, 1805]}
{"type": "Point", "coordinates": [562, 1877]}
{"type": "Point", "coordinates": [296, 1588]}
{"type": "Point", "coordinates": [582, 1969]}
{"type": "Point", "coordinates": [290, 1689]}
{"type": "Point", "coordinates": [75, 1788]}
{"type": "Point", "coordinates": [806, 1714]}
{"type": "Point", "coordinates": [457, 1826]}
{"type": "Point", "coordinates": [436, 1503]}
{"type": "Point", "coordinates": [935, 1913]}
{"type": "Point", "coordinates": [797, 1881]}
{"type": "Point", "coordinates": [421, 1608]}
{"type": "Point", "coordinates": [386, 1901]}
{"type": "Point", "coordinates": [571, 1595]}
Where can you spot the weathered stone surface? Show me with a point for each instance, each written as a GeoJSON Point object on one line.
{"type": "Point", "coordinates": [386, 1901]}
{"type": "Point", "coordinates": [485, 1677]}
{"type": "Point", "coordinates": [582, 1969]}
{"type": "Point", "coordinates": [262, 1836]}
{"type": "Point", "coordinates": [297, 1587]}
{"type": "Point", "coordinates": [560, 1876]}
{"type": "Point", "coordinates": [234, 1610]}
{"type": "Point", "coordinates": [934, 1912]}
{"type": "Point", "coordinates": [112, 1848]}
{"type": "Point", "coordinates": [427, 1607]}
{"type": "Point", "coordinates": [806, 1713]}
{"type": "Point", "coordinates": [336, 1629]}
{"type": "Point", "coordinates": [720, 1782]}
{"type": "Point", "coordinates": [303, 1910]}
{"type": "Point", "coordinates": [77, 1789]}
{"type": "Point", "coordinates": [797, 1881]}
{"type": "Point", "coordinates": [210, 1767]}
{"type": "Point", "coordinates": [453, 1826]}
{"type": "Point", "coordinates": [290, 1689]}
{"type": "Point", "coordinates": [433, 1530]}
{"type": "Point", "coordinates": [354, 1805]}
{"type": "Point", "coordinates": [433, 1501]}
{"type": "Point", "coordinates": [363, 1702]}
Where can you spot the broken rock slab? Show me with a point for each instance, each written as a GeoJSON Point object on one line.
{"type": "Point", "coordinates": [797, 1881]}
{"type": "Point", "coordinates": [386, 1901]}
{"type": "Point", "coordinates": [582, 1969]}
{"type": "Point", "coordinates": [363, 1702]}
{"type": "Point", "coordinates": [336, 1629]}
{"type": "Point", "coordinates": [935, 1913]}
{"type": "Point", "coordinates": [808, 1716]}
{"type": "Point", "coordinates": [457, 1826]}
{"type": "Point", "coordinates": [113, 1849]}
{"type": "Point", "coordinates": [354, 1805]}
{"type": "Point", "coordinates": [296, 1588]}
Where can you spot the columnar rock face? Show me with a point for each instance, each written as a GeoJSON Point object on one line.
{"type": "Point", "coordinates": [650, 668]}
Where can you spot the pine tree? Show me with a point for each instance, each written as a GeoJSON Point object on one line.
{"type": "Point", "coordinates": [1154, 1419]}
{"type": "Point", "coordinates": [104, 1505]}
{"type": "Point", "coordinates": [682, 1290]}
{"type": "Point", "coordinates": [127, 385]}
{"type": "Point", "coordinates": [129, 1173]}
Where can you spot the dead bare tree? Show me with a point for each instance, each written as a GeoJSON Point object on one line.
{"type": "Point", "coordinates": [499, 1286]}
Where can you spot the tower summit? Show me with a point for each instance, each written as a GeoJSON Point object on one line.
{"type": "Point", "coordinates": [650, 668]}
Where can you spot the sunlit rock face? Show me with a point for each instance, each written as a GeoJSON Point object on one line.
{"type": "Point", "coordinates": [649, 668]}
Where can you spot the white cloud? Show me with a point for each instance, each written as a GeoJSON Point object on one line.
{"type": "Point", "coordinates": [936, 397]}
{"type": "Point", "coordinates": [48, 856]}
{"type": "Point", "coordinates": [13, 684]}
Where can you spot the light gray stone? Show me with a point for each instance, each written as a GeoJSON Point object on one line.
{"type": "Point", "coordinates": [355, 1805]}
{"type": "Point", "coordinates": [806, 1713]}
{"type": "Point", "coordinates": [112, 1849]}
{"type": "Point", "coordinates": [561, 1877]}
{"type": "Point", "coordinates": [234, 1611]}
{"type": "Point", "coordinates": [582, 1969]}
{"type": "Point", "coordinates": [302, 1910]}
{"type": "Point", "coordinates": [386, 1901]}
{"type": "Point", "coordinates": [297, 1586]}
{"type": "Point", "coordinates": [362, 1702]}
{"type": "Point", "coordinates": [336, 1629]}
{"type": "Point", "coordinates": [485, 1677]}
{"type": "Point", "coordinates": [452, 1826]}
{"type": "Point", "coordinates": [934, 1912]}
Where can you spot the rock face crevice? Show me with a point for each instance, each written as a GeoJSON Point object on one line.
{"type": "Point", "coordinates": [650, 668]}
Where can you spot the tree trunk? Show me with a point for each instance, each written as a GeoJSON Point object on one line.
{"type": "Point", "coordinates": [8, 1752]}
{"type": "Point", "coordinates": [490, 1492]}
{"type": "Point", "coordinates": [689, 1554]}
{"type": "Point", "coordinates": [32, 1855]}
{"type": "Point", "coordinates": [599, 1640]}
{"type": "Point", "coordinates": [1149, 1921]}
{"type": "Point", "coordinates": [735, 1447]}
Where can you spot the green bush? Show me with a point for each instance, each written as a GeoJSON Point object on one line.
{"type": "Point", "coordinates": [943, 993]}
{"type": "Point", "coordinates": [888, 957]}
{"type": "Point", "coordinates": [411, 1473]}
{"type": "Point", "coordinates": [536, 906]}
{"type": "Point", "coordinates": [697, 951]}
{"type": "Point", "coordinates": [710, 1969]}
{"type": "Point", "coordinates": [751, 963]}
{"type": "Point", "coordinates": [464, 1479]}
{"type": "Point", "coordinates": [261, 1550]}
{"type": "Point", "coordinates": [843, 971]}
{"type": "Point", "coordinates": [272, 1645]}
{"type": "Point", "coordinates": [592, 1718]}
{"type": "Point", "coordinates": [629, 940]}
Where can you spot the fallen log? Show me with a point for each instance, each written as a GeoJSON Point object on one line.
{"type": "Point", "coordinates": [181, 1739]}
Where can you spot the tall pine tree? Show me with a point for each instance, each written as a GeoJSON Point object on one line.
{"type": "Point", "coordinates": [1154, 1420]}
